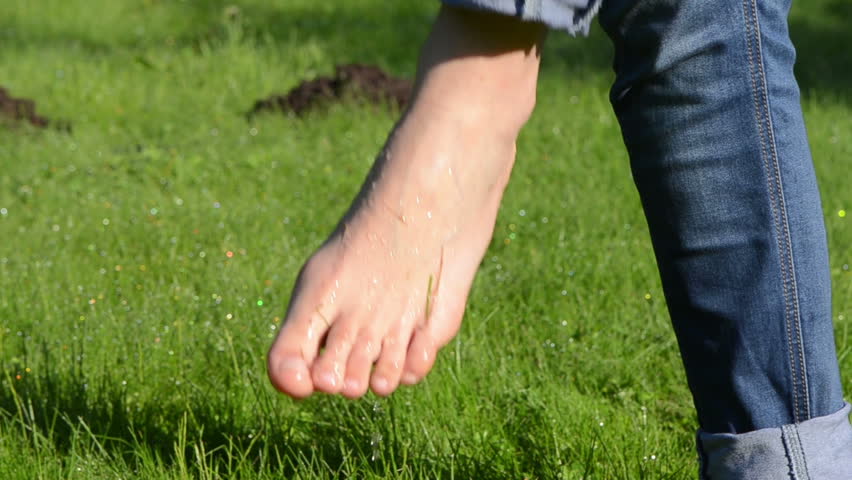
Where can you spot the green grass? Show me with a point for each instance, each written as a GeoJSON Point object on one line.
{"type": "Point", "coordinates": [132, 346]}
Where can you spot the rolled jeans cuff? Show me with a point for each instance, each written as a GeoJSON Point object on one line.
{"type": "Point", "coordinates": [573, 16]}
{"type": "Point", "coordinates": [816, 449]}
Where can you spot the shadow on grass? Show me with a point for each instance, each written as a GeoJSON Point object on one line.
{"type": "Point", "coordinates": [70, 412]}
{"type": "Point", "coordinates": [345, 32]}
{"type": "Point", "coordinates": [391, 37]}
{"type": "Point", "coordinates": [824, 59]}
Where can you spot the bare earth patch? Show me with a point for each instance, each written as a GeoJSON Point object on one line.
{"type": "Point", "coordinates": [352, 81]}
{"type": "Point", "coordinates": [23, 110]}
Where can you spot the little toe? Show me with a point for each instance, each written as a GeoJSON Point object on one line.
{"type": "Point", "coordinates": [385, 378]}
{"type": "Point", "coordinates": [357, 378]}
{"type": "Point", "coordinates": [420, 357]}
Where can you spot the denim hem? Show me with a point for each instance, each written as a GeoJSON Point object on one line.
{"type": "Point", "coordinates": [573, 16]}
{"type": "Point", "coordinates": [816, 449]}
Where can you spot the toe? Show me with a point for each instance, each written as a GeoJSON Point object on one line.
{"type": "Point", "coordinates": [294, 350]}
{"type": "Point", "coordinates": [328, 370]}
{"type": "Point", "coordinates": [357, 378]}
{"type": "Point", "coordinates": [389, 366]}
{"type": "Point", "coordinates": [419, 358]}
{"type": "Point", "coordinates": [290, 375]}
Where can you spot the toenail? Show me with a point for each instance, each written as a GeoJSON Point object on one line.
{"type": "Point", "coordinates": [410, 378]}
{"type": "Point", "coordinates": [380, 383]}
{"type": "Point", "coordinates": [292, 365]}
{"type": "Point", "coordinates": [352, 385]}
{"type": "Point", "coordinates": [329, 379]}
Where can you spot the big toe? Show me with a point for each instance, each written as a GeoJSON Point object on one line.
{"type": "Point", "coordinates": [289, 373]}
{"type": "Point", "coordinates": [296, 348]}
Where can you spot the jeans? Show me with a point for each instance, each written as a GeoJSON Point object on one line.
{"type": "Point", "coordinates": [711, 117]}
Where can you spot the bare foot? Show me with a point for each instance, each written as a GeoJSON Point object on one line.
{"type": "Point", "coordinates": [374, 304]}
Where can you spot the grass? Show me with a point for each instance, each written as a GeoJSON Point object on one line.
{"type": "Point", "coordinates": [146, 258]}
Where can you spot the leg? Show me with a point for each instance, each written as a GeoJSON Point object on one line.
{"type": "Point", "coordinates": [389, 286]}
{"type": "Point", "coordinates": [710, 114]}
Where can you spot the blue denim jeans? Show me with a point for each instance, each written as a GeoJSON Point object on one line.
{"type": "Point", "coordinates": [711, 117]}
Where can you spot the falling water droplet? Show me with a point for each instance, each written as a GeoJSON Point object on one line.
{"type": "Point", "coordinates": [375, 444]}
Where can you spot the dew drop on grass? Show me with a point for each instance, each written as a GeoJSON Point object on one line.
{"type": "Point", "coordinates": [375, 444]}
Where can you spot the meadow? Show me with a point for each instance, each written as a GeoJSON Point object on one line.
{"type": "Point", "coordinates": [147, 256]}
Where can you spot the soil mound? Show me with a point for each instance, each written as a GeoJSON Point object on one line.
{"type": "Point", "coordinates": [20, 110]}
{"type": "Point", "coordinates": [357, 81]}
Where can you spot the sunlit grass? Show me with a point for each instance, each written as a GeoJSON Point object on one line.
{"type": "Point", "coordinates": [146, 258]}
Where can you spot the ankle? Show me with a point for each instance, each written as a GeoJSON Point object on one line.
{"type": "Point", "coordinates": [478, 67]}
{"type": "Point", "coordinates": [452, 96]}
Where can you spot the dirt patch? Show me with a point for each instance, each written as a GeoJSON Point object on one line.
{"type": "Point", "coordinates": [353, 81]}
{"type": "Point", "coordinates": [22, 110]}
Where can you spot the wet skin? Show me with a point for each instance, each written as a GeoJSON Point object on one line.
{"type": "Point", "coordinates": [372, 307]}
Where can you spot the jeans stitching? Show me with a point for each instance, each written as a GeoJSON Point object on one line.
{"type": "Point", "coordinates": [588, 14]}
{"type": "Point", "coordinates": [795, 452]}
{"type": "Point", "coordinates": [795, 314]}
{"type": "Point", "coordinates": [802, 451]}
{"type": "Point", "coordinates": [779, 210]}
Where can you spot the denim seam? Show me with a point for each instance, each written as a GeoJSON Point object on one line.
{"type": "Point", "coordinates": [779, 213]}
{"type": "Point", "coordinates": [582, 19]}
{"type": "Point", "coordinates": [586, 19]}
{"type": "Point", "coordinates": [795, 452]}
